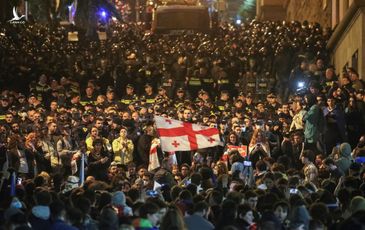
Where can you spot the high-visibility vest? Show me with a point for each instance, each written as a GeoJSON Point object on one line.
{"type": "Point", "coordinates": [223, 81]}
{"type": "Point", "coordinates": [150, 100]}
{"type": "Point", "coordinates": [194, 81]}
{"type": "Point", "coordinates": [126, 101]}
{"type": "Point", "coordinates": [208, 80]}
{"type": "Point", "coordinates": [83, 103]}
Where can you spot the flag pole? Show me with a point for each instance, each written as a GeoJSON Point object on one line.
{"type": "Point", "coordinates": [26, 10]}
{"type": "Point", "coordinates": [82, 169]}
{"type": "Point", "coordinates": [12, 184]}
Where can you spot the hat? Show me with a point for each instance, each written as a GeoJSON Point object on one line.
{"type": "Point", "coordinates": [242, 94]}
{"type": "Point", "coordinates": [147, 85]}
{"type": "Point", "coordinates": [249, 95]}
{"type": "Point", "coordinates": [260, 102]}
{"type": "Point", "coordinates": [357, 204]}
{"type": "Point", "coordinates": [110, 89]}
{"type": "Point", "coordinates": [202, 91]}
{"type": "Point", "coordinates": [71, 183]}
{"type": "Point", "coordinates": [180, 90]}
{"type": "Point", "coordinates": [198, 100]}
{"type": "Point", "coordinates": [271, 95]}
{"type": "Point", "coordinates": [118, 199]}
{"type": "Point", "coordinates": [5, 97]}
{"type": "Point", "coordinates": [130, 86]}
{"type": "Point", "coordinates": [21, 96]}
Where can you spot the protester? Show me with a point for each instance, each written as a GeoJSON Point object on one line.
{"type": "Point", "coordinates": [78, 134]}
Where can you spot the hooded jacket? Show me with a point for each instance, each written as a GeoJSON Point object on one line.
{"type": "Point", "coordinates": [40, 217]}
{"type": "Point", "coordinates": [345, 159]}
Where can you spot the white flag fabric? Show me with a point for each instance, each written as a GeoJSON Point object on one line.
{"type": "Point", "coordinates": [154, 163]}
{"type": "Point", "coordinates": [172, 159]}
{"type": "Point", "coordinates": [183, 136]}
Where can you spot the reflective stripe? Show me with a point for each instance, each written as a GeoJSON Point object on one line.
{"type": "Point", "coordinates": [223, 81]}
{"type": "Point", "coordinates": [83, 103]}
{"type": "Point", "coordinates": [208, 80]}
{"type": "Point", "coordinates": [150, 101]}
{"type": "Point", "coordinates": [194, 81]}
{"type": "Point", "coordinates": [2, 117]}
{"type": "Point", "coordinates": [125, 101]}
{"type": "Point", "coordinates": [221, 107]}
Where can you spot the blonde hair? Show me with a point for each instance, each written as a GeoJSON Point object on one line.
{"type": "Point", "coordinates": [255, 135]}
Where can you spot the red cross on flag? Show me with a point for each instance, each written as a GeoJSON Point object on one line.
{"type": "Point", "coordinates": [183, 136]}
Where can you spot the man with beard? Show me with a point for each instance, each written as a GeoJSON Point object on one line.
{"type": "Point", "coordinates": [50, 147]}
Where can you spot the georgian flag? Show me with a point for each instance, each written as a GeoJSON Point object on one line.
{"type": "Point", "coordinates": [154, 163]}
{"type": "Point", "coordinates": [183, 136]}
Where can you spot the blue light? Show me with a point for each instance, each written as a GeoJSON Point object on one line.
{"type": "Point", "coordinates": [238, 21]}
{"type": "Point", "coordinates": [70, 7]}
{"type": "Point", "coordinates": [103, 13]}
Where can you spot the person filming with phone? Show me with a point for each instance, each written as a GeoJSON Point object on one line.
{"type": "Point", "coordinates": [259, 146]}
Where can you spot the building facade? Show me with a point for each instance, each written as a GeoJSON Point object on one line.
{"type": "Point", "coordinates": [298, 10]}
{"type": "Point", "coordinates": [345, 17]}
{"type": "Point", "coordinates": [270, 10]}
{"type": "Point", "coordinates": [347, 43]}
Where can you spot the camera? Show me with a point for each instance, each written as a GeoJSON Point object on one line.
{"type": "Point", "coordinates": [152, 193]}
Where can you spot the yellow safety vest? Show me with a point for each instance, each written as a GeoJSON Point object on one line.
{"type": "Point", "coordinates": [194, 81]}
{"type": "Point", "coordinates": [150, 101]}
{"type": "Point", "coordinates": [223, 81]}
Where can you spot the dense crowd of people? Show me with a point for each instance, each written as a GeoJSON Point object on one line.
{"type": "Point", "coordinates": [76, 129]}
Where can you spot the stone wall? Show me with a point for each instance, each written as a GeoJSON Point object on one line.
{"type": "Point", "coordinates": [310, 10]}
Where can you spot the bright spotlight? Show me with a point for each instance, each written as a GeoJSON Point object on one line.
{"type": "Point", "coordinates": [102, 13]}
{"type": "Point", "coordinates": [301, 84]}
